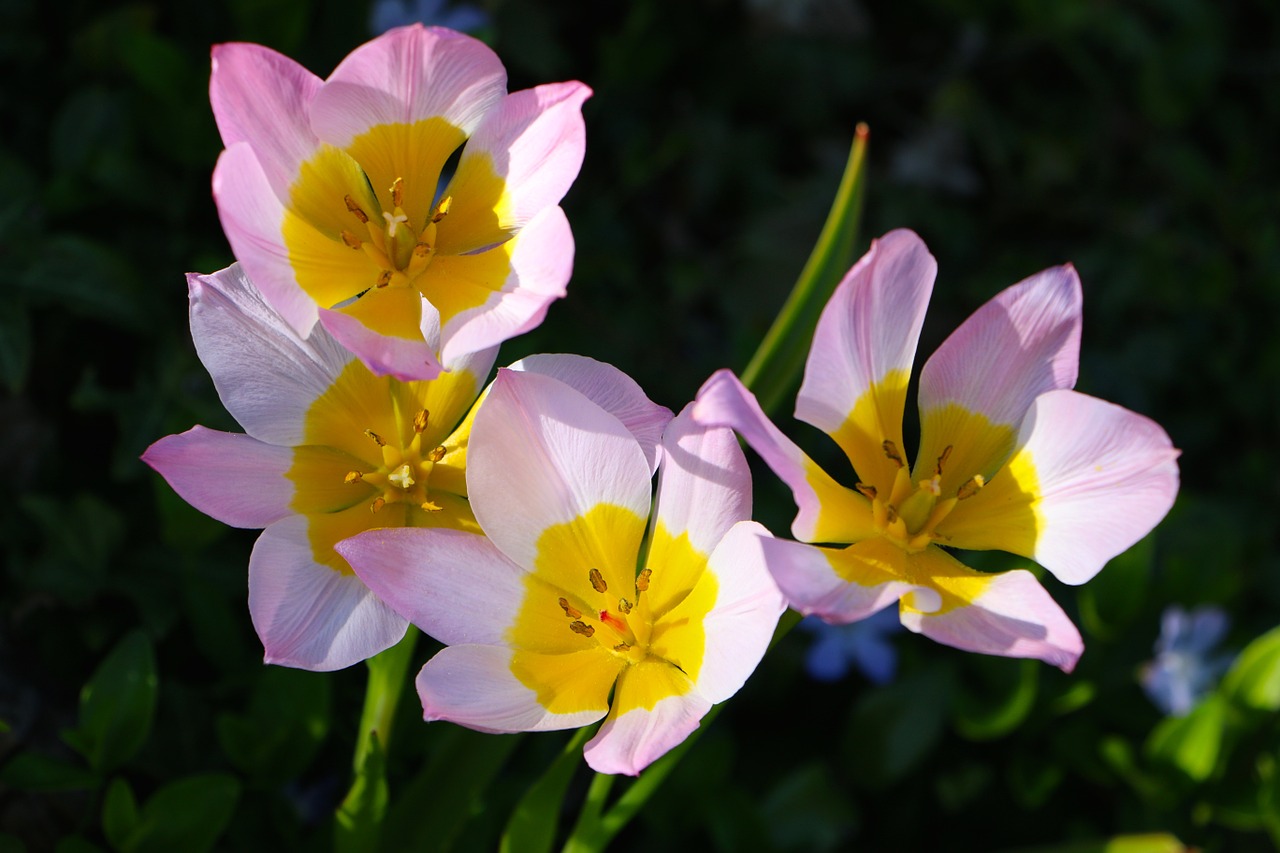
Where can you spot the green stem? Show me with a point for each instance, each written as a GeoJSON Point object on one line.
{"type": "Point", "coordinates": [590, 833]}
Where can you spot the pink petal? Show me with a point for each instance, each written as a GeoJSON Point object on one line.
{"type": "Point", "coordinates": [541, 263]}
{"type": "Point", "coordinates": [406, 75]}
{"type": "Point", "coordinates": [472, 685]}
{"type": "Point", "coordinates": [406, 359]}
{"type": "Point", "coordinates": [310, 616]}
{"type": "Point", "coordinates": [808, 579]}
{"type": "Point", "coordinates": [704, 485]}
{"type": "Point", "coordinates": [455, 586]}
{"type": "Point", "coordinates": [630, 742]}
{"type": "Point", "coordinates": [1013, 617]}
{"type": "Point", "coordinates": [745, 614]}
{"type": "Point", "coordinates": [261, 97]}
{"type": "Point", "coordinates": [266, 374]}
{"type": "Point", "coordinates": [236, 479]}
{"type": "Point", "coordinates": [533, 141]}
{"type": "Point", "coordinates": [828, 512]}
{"type": "Point", "coordinates": [862, 350]}
{"type": "Point", "coordinates": [252, 219]}
{"type": "Point", "coordinates": [542, 454]}
{"type": "Point", "coordinates": [1101, 478]}
{"type": "Point", "coordinates": [610, 389]}
{"type": "Point", "coordinates": [1023, 342]}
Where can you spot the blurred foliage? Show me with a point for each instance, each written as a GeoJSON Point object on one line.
{"type": "Point", "coordinates": [1135, 140]}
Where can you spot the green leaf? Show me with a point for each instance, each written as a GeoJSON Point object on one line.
{"type": "Point", "coordinates": [1254, 679]}
{"type": "Point", "coordinates": [773, 369]}
{"type": "Point", "coordinates": [1154, 842]}
{"type": "Point", "coordinates": [186, 815]}
{"type": "Point", "coordinates": [999, 699]}
{"type": "Point", "coordinates": [1192, 743]}
{"type": "Point", "coordinates": [1112, 600]}
{"type": "Point", "coordinates": [532, 827]}
{"type": "Point", "coordinates": [893, 728]}
{"type": "Point", "coordinates": [30, 771]}
{"type": "Point", "coordinates": [805, 811]}
{"type": "Point", "coordinates": [119, 813]}
{"type": "Point", "coordinates": [117, 705]}
{"type": "Point", "coordinates": [287, 721]}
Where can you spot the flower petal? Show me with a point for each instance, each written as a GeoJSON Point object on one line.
{"type": "Point", "coordinates": [855, 379]}
{"type": "Point", "coordinates": [363, 330]}
{"type": "Point", "coordinates": [1088, 480]}
{"type": "Point", "coordinates": [473, 685]}
{"type": "Point", "coordinates": [828, 512]}
{"type": "Point", "coordinates": [261, 97]}
{"type": "Point", "coordinates": [231, 477]}
{"type": "Point", "coordinates": [490, 297]}
{"type": "Point", "coordinates": [742, 620]}
{"type": "Point", "coordinates": [1023, 342]}
{"type": "Point", "coordinates": [839, 585]}
{"type": "Point", "coordinates": [408, 75]}
{"type": "Point", "coordinates": [610, 389]}
{"type": "Point", "coordinates": [521, 159]}
{"type": "Point", "coordinates": [631, 741]}
{"type": "Point", "coordinates": [308, 615]}
{"type": "Point", "coordinates": [1008, 614]}
{"type": "Point", "coordinates": [542, 455]}
{"type": "Point", "coordinates": [455, 586]}
{"type": "Point", "coordinates": [266, 374]}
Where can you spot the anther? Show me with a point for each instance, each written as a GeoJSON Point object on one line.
{"type": "Point", "coordinates": [377, 439]}
{"type": "Point", "coordinates": [937, 470]}
{"type": "Point", "coordinates": [582, 628]}
{"type": "Point", "coordinates": [436, 454]}
{"type": "Point", "coordinates": [350, 239]}
{"type": "Point", "coordinates": [431, 506]}
{"type": "Point", "coordinates": [384, 278]}
{"type": "Point", "coordinates": [971, 487]}
{"type": "Point", "coordinates": [597, 581]}
{"type": "Point", "coordinates": [397, 192]}
{"type": "Point", "coordinates": [442, 209]}
{"type": "Point", "coordinates": [622, 647]}
{"type": "Point", "coordinates": [642, 580]}
{"type": "Point", "coordinates": [421, 250]}
{"type": "Point", "coordinates": [355, 208]}
{"type": "Point", "coordinates": [420, 420]}
{"type": "Point", "coordinates": [353, 477]}
{"type": "Point", "coordinates": [378, 503]}
{"type": "Point", "coordinates": [569, 610]}
{"type": "Point", "coordinates": [891, 450]}
{"type": "Point", "coordinates": [868, 492]}
{"type": "Point", "coordinates": [624, 605]}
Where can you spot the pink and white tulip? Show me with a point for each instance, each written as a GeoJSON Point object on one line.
{"type": "Point", "coordinates": [333, 194]}
{"type": "Point", "coordinates": [331, 450]}
{"type": "Point", "coordinates": [1010, 458]}
{"type": "Point", "coordinates": [582, 590]}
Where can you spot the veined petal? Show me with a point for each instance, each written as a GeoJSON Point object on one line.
{"type": "Point", "coordinates": [231, 477]}
{"type": "Point", "coordinates": [308, 615]}
{"type": "Point", "coordinates": [543, 456]}
{"type": "Point", "coordinates": [493, 296]}
{"type": "Point", "coordinates": [610, 389]}
{"type": "Point", "coordinates": [704, 485]}
{"type": "Point", "coordinates": [253, 218]}
{"type": "Point", "coordinates": [631, 740]}
{"type": "Point", "coordinates": [261, 97]}
{"type": "Point", "coordinates": [1007, 614]}
{"type": "Point", "coordinates": [838, 584]}
{"type": "Point", "coordinates": [267, 375]}
{"type": "Point", "coordinates": [455, 586]}
{"type": "Point", "coordinates": [855, 379]}
{"type": "Point", "coordinates": [976, 389]}
{"type": "Point", "coordinates": [379, 329]}
{"type": "Point", "coordinates": [407, 75]}
{"type": "Point", "coordinates": [746, 610]}
{"type": "Point", "coordinates": [474, 686]}
{"type": "Point", "coordinates": [828, 512]}
{"type": "Point", "coordinates": [1088, 480]}
{"type": "Point", "coordinates": [521, 160]}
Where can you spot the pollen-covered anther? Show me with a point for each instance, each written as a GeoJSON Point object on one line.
{"type": "Point", "coordinates": [971, 487]}
{"type": "Point", "coordinates": [569, 610]}
{"type": "Point", "coordinates": [420, 420]}
{"type": "Point", "coordinates": [421, 250]}
{"type": "Point", "coordinates": [891, 450]}
{"type": "Point", "coordinates": [350, 239]}
{"type": "Point", "coordinates": [384, 278]}
{"type": "Point", "coordinates": [622, 647]}
{"type": "Point", "coordinates": [436, 454]}
{"type": "Point", "coordinates": [597, 581]}
{"type": "Point", "coordinates": [431, 506]}
{"type": "Point", "coordinates": [355, 209]}
{"type": "Point", "coordinates": [377, 505]}
{"type": "Point", "coordinates": [624, 605]}
{"type": "Point", "coordinates": [402, 476]}
{"type": "Point", "coordinates": [353, 477]}
{"type": "Point", "coordinates": [377, 439]}
{"type": "Point", "coordinates": [442, 209]}
{"type": "Point", "coordinates": [867, 491]}
{"type": "Point", "coordinates": [642, 579]}
{"type": "Point", "coordinates": [937, 469]}
{"type": "Point", "coordinates": [397, 192]}
{"type": "Point", "coordinates": [582, 628]}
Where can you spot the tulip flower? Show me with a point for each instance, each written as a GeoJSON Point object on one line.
{"type": "Point", "coordinates": [1010, 458]}
{"type": "Point", "coordinates": [336, 195]}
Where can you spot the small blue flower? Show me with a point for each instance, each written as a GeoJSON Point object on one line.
{"type": "Point", "coordinates": [388, 14]}
{"type": "Point", "coordinates": [864, 644]}
{"type": "Point", "coordinates": [1186, 666]}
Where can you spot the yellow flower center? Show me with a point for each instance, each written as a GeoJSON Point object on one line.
{"type": "Point", "coordinates": [400, 250]}
{"type": "Point", "coordinates": [404, 472]}
{"type": "Point", "coordinates": [910, 514]}
{"type": "Point", "coordinates": [619, 627]}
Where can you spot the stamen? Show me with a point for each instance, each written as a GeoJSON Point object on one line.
{"type": "Point", "coordinates": [378, 504]}
{"type": "Point", "coordinates": [429, 506]}
{"type": "Point", "coordinates": [622, 647]}
{"type": "Point", "coordinates": [442, 209]}
{"type": "Point", "coordinates": [891, 450]}
{"type": "Point", "coordinates": [933, 485]}
{"type": "Point", "coordinates": [868, 492]}
{"type": "Point", "coordinates": [421, 250]}
{"type": "Point", "coordinates": [569, 610]}
{"type": "Point", "coordinates": [397, 192]}
{"type": "Point", "coordinates": [597, 581]}
{"type": "Point", "coordinates": [353, 477]}
{"type": "Point", "coordinates": [355, 208]}
{"type": "Point", "coordinates": [642, 580]}
{"type": "Point", "coordinates": [350, 239]}
{"type": "Point", "coordinates": [420, 420]}
{"type": "Point", "coordinates": [436, 454]}
{"type": "Point", "coordinates": [377, 439]}
{"type": "Point", "coordinates": [384, 278]}
{"type": "Point", "coordinates": [937, 470]}
{"type": "Point", "coordinates": [971, 487]}
{"type": "Point", "coordinates": [581, 628]}
{"type": "Point", "coordinates": [624, 605]}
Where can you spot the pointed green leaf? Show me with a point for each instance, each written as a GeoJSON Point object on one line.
{"type": "Point", "coordinates": [119, 813]}
{"type": "Point", "coordinates": [1254, 679]}
{"type": "Point", "coordinates": [532, 827]}
{"type": "Point", "coordinates": [1192, 743]}
{"type": "Point", "coordinates": [30, 771]}
{"type": "Point", "coordinates": [187, 815]}
{"type": "Point", "coordinates": [117, 705]}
